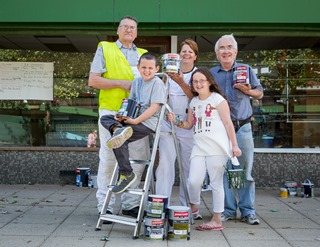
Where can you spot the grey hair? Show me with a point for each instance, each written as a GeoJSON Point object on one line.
{"type": "Point", "coordinates": [229, 37]}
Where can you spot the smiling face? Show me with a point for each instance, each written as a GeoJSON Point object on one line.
{"type": "Point", "coordinates": [127, 32]}
{"type": "Point", "coordinates": [147, 68]}
{"type": "Point", "coordinates": [200, 83]}
{"type": "Point", "coordinates": [226, 53]}
{"type": "Point", "coordinates": [187, 54]}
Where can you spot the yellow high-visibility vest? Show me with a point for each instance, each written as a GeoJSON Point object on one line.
{"type": "Point", "coordinates": [118, 68]}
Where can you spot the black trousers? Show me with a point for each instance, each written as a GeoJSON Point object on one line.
{"type": "Point", "coordinates": [122, 153]}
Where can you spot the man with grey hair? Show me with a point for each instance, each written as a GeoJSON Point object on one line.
{"type": "Point", "coordinates": [113, 69]}
{"type": "Point", "coordinates": [239, 83]}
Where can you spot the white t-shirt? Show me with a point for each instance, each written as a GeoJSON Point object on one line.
{"type": "Point", "coordinates": [210, 136]}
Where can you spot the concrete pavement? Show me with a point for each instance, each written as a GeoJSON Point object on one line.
{"type": "Point", "coordinates": [60, 216]}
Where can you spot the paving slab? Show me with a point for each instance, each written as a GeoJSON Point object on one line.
{"type": "Point", "coordinates": [55, 215]}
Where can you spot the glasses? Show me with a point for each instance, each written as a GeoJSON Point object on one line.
{"type": "Point", "coordinates": [126, 27]}
{"type": "Point", "coordinates": [201, 81]}
{"type": "Point", "coordinates": [225, 48]}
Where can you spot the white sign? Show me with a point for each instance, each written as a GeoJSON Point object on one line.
{"type": "Point", "coordinates": [26, 81]}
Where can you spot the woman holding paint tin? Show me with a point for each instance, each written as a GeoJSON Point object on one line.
{"type": "Point", "coordinates": [179, 98]}
{"type": "Point", "coordinates": [214, 142]}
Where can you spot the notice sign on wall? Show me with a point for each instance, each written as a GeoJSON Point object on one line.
{"type": "Point", "coordinates": [26, 81]}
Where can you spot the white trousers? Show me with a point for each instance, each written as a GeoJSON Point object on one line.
{"type": "Point", "coordinates": [215, 165]}
{"type": "Point", "coordinates": [139, 150]}
{"type": "Point", "coordinates": [165, 173]}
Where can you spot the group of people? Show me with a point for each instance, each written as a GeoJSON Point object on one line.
{"type": "Point", "coordinates": [210, 111]}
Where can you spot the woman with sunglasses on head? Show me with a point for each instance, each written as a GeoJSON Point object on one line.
{"type": "Point", "coordinates": [214, 142]}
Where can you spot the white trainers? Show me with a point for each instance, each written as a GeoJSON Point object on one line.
{"type": "Point", "coordinates": [119, 137]}
{"type": "Point", "coordinates": [251, 219]}
{"type": "Point", "coordinates": [225, 218]}
{"type": "Point", "coordinates": [196, 215]}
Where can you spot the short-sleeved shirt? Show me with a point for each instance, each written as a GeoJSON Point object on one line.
{"type": "Point", "coordinates": [98, 64]}
{"type": "Point", "coordinates": [240, 104]}
{"type": "Point", "coordinates": [146, 93]}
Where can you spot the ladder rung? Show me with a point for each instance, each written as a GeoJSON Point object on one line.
{"type": "Point", "coordinates": [136, 191]}
{"type": "Point", "coordinates": [131, 191]}
{"type": "Point", "coordinates": [119, 219]}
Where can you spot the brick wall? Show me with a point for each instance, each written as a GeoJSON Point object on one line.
{"type": "Point", "coordinates": [272, 167]}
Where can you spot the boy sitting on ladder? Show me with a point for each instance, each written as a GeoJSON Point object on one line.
{"type": "Point", "coordinates": [148, 91]}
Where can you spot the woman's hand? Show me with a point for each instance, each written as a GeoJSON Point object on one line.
{"type": "Point", "coordinates": [178, 78]}
{"type": "Point", "coordinates": [171, 117]}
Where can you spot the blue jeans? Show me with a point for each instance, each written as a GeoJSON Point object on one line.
{"type": "Point", "coordinates": [247, 194]}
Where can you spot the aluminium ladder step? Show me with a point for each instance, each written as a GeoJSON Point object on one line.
{"type": "Point", "coordinates": [119, 219]}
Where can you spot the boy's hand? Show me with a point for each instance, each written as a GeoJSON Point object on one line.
{"type": "Point", "coordinates": [118, 118]}
{"type": "Point", "coordinates": [129, 120]}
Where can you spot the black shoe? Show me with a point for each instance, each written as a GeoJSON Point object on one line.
{"type": "Point", "coordinates": [106, 222]}
{"type": "Point", "coordinates": [124, 183]}
{"type": "Point", "coordinates": [131, 212]}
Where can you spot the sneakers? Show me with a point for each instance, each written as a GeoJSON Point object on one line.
{"type": "Point", "coordinates": [196, 215]}
{"type": "Point", "coordinates": [123, 183]}
{"type": "Point", "coordinates": [133, 212]}
{"type": "Point", "coordinates": [251, 219]}
{"type": "Point", "coordinates": [225, 218]}
{"type": "Point", "coordinates": [119, 137]}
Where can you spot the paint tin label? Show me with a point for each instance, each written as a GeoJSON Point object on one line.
{"type": "Point", "coordinates": [179, 222]}
{"type": "Point", "coordinates": [82, 177]}
{"type": "Point", "coordinates": [154, 229]}
{"type": "Point", "coordinates": [292, 188]}
{"type": "Point", "coordinates": [240, 75]}
{"type": "Point", "coordinates": [156, 206]}
{"type": "Point", "coordinates": [171, 63]}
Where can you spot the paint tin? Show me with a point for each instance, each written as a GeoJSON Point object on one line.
{"type": "Point", "coordinates": [236, 178]}
{"type": "Point", "coordinates": [283, 193]}
{"type": "Point", "coordinates": [241, 75]}
{"type": "Point", "coordinates": [179, 222]}
{"type": "Point", "coordinates": [94, 183]}
{"type": "Point", "coordinates": [129, 108]}
{"type": "Point", "coordinates": [292, 188]}
{"type": "Point", "coordinates": [82, 177]}
{"type": "Point", "coordinates": [171, 63]}
{"type": "Point", "coordinates": [157, 206]}
{"type": "Point", "coordinates": [308, 188]}
{"type": "Point", "coordinates": [154, 229]}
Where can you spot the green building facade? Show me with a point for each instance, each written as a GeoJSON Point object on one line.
{"type": "Point", "coordinates": [279, 39]}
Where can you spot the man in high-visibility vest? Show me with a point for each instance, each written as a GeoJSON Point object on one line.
{"type": "Point", "coordinates": [112, 71]}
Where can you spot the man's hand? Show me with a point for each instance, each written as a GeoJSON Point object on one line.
{"type": "Point", "coordinates": [243, 87]}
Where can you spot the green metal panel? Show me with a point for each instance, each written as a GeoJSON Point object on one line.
{"type": "Point", "coordinates": [57, 11]}
{"type": "Point", "coordinates": [245, 11]}
{"type": "Point", "coordinates": [162, 11]}
{"type": "Point", "coordinates": [144, 11]}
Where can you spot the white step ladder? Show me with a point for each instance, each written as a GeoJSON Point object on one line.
{"type": "Point", "coordinates": [149, 179]}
